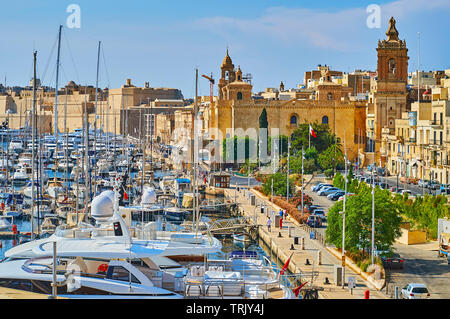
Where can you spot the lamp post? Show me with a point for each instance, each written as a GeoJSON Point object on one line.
{"type": "Point", "coordinates": [373, 216]}
{"type": "Point", "coordinates": [303, 156]}
{"type": "Point", "coordinates": [287, 172]}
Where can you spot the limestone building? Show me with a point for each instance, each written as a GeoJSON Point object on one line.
{"type": "Point", "coordinates": [237, 112]}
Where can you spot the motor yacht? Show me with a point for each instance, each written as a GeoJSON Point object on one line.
{"type": "Point", "coordinates": [242, 275]}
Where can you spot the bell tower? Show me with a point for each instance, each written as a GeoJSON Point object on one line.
{"type": "Point", "coordinates": [228, 74]}
{"type": "Point", "coordinates": [388, 94]}
{"type": "Point", "coordinates": [393, 58]}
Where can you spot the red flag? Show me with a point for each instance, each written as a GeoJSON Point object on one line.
{"type": "Point", "coordinates": [311, 131]}
{"type": "Point", "coordinates": [297, 290]}
{"type": "Point", "coordinates": [125, 195]}
{"type": "Point", "coordinates": [285, 267]}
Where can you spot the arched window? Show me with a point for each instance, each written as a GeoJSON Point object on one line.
{"type": "Point", "coordinates": [239, 95]}
{"type": "Point", "coordinates": [293, 120]}
{"type": "Point", "coordinates": [392, 66]}
{"type": "Point", "coordinates": [325, 120]}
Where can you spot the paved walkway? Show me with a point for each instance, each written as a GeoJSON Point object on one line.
{"type": "Point", "coordinates": [281, 246]}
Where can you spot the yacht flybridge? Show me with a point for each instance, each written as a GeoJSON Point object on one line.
{"type": "Point", "coordinates": [115, 273]}
{"type": "Point", "coordinates": [112, 231]}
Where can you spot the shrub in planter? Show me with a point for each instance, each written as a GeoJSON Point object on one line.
{"type": "Point", "coordinates": [329, 172]}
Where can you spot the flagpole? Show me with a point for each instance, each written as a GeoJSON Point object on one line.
{"type": "Point", "coordinates": [309, 136]}
{"type": "Point", "coordinates": [303, 155]}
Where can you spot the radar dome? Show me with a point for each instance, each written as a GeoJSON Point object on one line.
{"type": "Point", "coordinates": [109, 193]}
{"type": "Point", "coordinates": [102, 207]}
{"type": "Point", "coordinates": [148, 197]}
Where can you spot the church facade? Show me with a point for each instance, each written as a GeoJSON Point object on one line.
{"type": "Point", "coordinates": [236, 113]}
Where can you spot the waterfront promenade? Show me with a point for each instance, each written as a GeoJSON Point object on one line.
{"type": "Point", "coordinates": [281, 247]}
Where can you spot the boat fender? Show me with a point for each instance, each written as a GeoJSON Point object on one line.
{"type": "Point", "coordinates": [14, 229]}
{"type": "Point", "coordinates": [102, 268]}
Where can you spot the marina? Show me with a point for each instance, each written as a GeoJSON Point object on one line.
{"type": "Point", "coordinates": [191, 244]}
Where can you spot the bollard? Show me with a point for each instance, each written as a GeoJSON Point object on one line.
{"type": "Point", "coordinates": [319, 257]}
{"type": "Point", "coordinates": [303, 243]}
{"type": "Point", "coordinates": [289, 228]}
{"type": "Point", "coordinates": [367, 294]}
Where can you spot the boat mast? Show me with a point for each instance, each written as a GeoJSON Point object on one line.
{"type": "Point", "coordinates": [56, 113]}
{"type": "Point", "coordinates": [66, 168]}
{"type": "Point", "coordinates": [195, 195]}
{"type": "Point", "coordinates": [56, 89]}
{"type": "Point", "coordinates": [33, 136]}
{"type": "Point", "coordinates": [86, 152]}
{"type": "Point", "coordinates": [95, 120]}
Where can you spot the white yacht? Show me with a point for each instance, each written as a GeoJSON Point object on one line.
{"type": "Point", "coordinates": [116, 271]}
{"type": "Point", "coordinates": [28, 189]}
{"type": "Point", "coordinates": [54, 188]}
{"type": "Point", "coordinates": [111, 228]}
{"type": "Point", "coordinates": [5, 223]}
{"type": "Point", "coordinates": [16, 146]}
{"type": "Point", "coordinates": [166, 183]}
{"type": "Point", "coordinates": [239, 276]}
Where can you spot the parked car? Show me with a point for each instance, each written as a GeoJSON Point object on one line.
{"type": "Point", "coordinates": [315, 185]}
{"type": "Point", "coordinates": [391, 260]}
{"type": "Point", "coordinates": [314, 221]}
{"type": "Point", "coordinates": [381, 171]}
{"type": "Point", "coordinates": [434, 185]}
{"type": "Point", "coordinates": [445, 189]}
{"type": "Point", "coordinates": [321, 214]}
{"type": "Point", "coordinates": [423, 183]}
{"type": "Point", "coordinates": [320, 186]}
{"type": "Point", "coordinates": [312, 208]}
{"type": "Point", "coordinates": [336, 195]}
{"type": "Point", "coordinates": [348, 194]}
{"type": "Point", "coordinates": [328, 191]}
{"type": "Point", "coordinates": [415, 291]}
{"type": "Point", "coordinates": [383, 185]}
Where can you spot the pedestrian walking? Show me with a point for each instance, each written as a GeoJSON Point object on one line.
{"type": "Point", "coordinates": [269, 223]}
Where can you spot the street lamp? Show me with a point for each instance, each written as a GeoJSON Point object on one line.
{"type": "Point", "coordinates": [373, 215]}
{"type": "Point", "coordinates": [343, 246]}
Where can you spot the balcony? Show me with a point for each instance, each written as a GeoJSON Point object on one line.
{"type": "Point", "coordinates": [436, 124]}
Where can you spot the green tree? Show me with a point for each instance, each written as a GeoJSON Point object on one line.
{"type": "Point", "coordinates": [324, 139]}
{"type": "Point", "coordinates": [263, 123]}
{"type": "Point", "coordinates": [339, 181]}
{"type": "Point", "coordinates": [358, 221]}
{"type": "Point", "coordinates": [310, 153]}
{"type": "Point", "coordinates": [332, 157]}
{"type": "Point", "coordinates": [279, 184]}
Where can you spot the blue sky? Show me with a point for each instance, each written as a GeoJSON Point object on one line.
{"type": "Point", "coordinates": [162, 42]}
